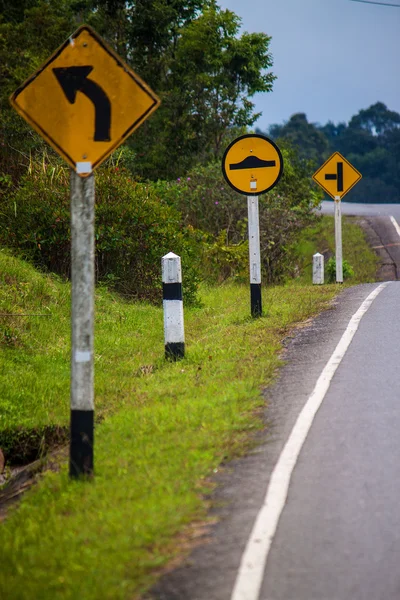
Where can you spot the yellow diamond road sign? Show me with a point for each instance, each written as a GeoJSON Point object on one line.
{"type": "Point", "coordinates": [252, 164]}
{"type": "Point", "coordinates": [84, 101]}
{"type": "Point", "coordinates": [337, 176]}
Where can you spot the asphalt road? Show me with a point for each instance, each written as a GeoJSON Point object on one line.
{"type": "Point", "coordinates": [338, 532]}
{"type": "Point", "coordinates": [369, 210]}
{"type": "Point", "coordinates": [379, 221]}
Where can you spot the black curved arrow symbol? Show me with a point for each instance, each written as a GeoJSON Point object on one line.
{"type": "Point", "coordinates": [74, 80]}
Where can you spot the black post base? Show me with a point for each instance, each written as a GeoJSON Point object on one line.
{"type": "Point", "coordinates": [81, 445]}
{"type": "Point", "coordinates": [255, 299]}
{"type": "Point", "coordinates": [175, 351]}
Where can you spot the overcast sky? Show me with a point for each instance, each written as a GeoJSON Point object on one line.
{"type": "Point", "coordinates": [331, 57]}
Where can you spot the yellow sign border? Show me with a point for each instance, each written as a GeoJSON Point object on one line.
{"type": "Point", "coordinates": [342, 194]}
{"type": "Point", "coordinates": [130, 73]}
{"type": "Point", "coordinates": [263, 137]}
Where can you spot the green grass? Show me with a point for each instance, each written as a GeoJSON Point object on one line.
{"type": "Point", "coordinates": [166, 426]}
{"type": "Point", "coordinates": [321, 238]}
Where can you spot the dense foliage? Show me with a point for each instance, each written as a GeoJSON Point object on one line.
{"type": "Point", "coordinates": [197, 216]}
{"type": "Point", "coordinates": [370, 141]}
{"type": "Point", "coordinates": [208, 204]}
{"type": "Point", "coordinates": [134, 229]}
{"type": "Point", "coordinates": [189, 51]}
{"type": "Point", "coordinates": [163, 191]}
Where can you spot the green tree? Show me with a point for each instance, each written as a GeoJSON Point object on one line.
{"type": "Point", "coordinates": [209, 76]}
{"type": "Point", "coordinates": [371, 141]}
{"type": "Point", "coordinates": [189, 51]}
{"type": "Point", "coordinates": [26, 39]}
{"type": "Point", "coordinates": [391, 142]}
{"type": "Point", "coordinates": [311, 143]}
{"type": "Point", "coordinates": [376, 120]}
{"type": "Point", "coordinates": [366, 131]}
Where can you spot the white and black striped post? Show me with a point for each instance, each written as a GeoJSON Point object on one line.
{"type": "Point", "coordinates": [174, 333]}
{"type": "Point", "coordinates": [255, 256]}
{"type": "Point", "coordinates": [338, 240]}
{"type": "Point", "coordinates": [318, 269]}
{"type": "Point", "coordinates": [82, 317]}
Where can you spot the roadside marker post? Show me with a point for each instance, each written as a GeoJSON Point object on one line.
{"type": "Point", "coordinates": [174, 330]}
{"type": "Point", "coordinates": [318, 269]}
{"type": "Point", "coordinates": [252, 165]}
{"type": "Point", "coordinates": [337, 177]}
{"type": "Point", "coordinates": [84, 101]}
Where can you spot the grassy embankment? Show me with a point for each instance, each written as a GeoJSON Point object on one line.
{"type": "Point", "coordinates": [164, 427]}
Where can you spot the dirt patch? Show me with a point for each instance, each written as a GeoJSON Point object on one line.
{"type": "Point", "coordinates": [24, 454]}
{"type": "Point", "coordinates": [18, 480]}
{"type": "Point", "coordinates": [24, 446]}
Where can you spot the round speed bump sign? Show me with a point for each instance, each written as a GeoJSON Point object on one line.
{"type": "Point", "coordinates": [252, 164]}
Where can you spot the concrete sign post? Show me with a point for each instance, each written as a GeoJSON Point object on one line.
{"type": "Point", "coordinates": [82, 325]}
{"type": "Point", "coordinates": [252, 165]}
{"type": "Point", "coordinates": [337, 177]}
{"type": "Point", "coordinates": [84, 101]}
{"type": "Point", "coordinates": [318, 269]}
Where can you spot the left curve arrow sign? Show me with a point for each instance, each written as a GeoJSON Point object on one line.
{"type": "Point", "coordinates": [74, 80]}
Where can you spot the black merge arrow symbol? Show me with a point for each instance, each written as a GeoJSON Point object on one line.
{"type": "Point", "coordinates": [338, 176]}
{"type": "Point", "coordinates": [74, 80]}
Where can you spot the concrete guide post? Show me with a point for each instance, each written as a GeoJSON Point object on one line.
{"type": "Point", "coordinates": [254, 256]}
{"type": "Point", "coordinates": [318, 269]}
{"type": "Point", "coordinates": [174, 332]}
{"type": "Point", "coordinates": [82, 325]}
{"type": "Point", "coordinates": [338, 240]}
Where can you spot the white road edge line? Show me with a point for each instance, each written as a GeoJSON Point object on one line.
{"type": "Point", "coordinates": [396, 225]}
{"type": "Point", "coordinates": [253, 561]}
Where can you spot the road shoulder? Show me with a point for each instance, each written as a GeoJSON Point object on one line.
{"type": "Point", "coordinates": [209, 572]}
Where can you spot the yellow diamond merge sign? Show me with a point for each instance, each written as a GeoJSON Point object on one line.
{"type": "Point", "coordinates": [252, 164]}
{"type": "Point", "coordinates": [84, 101]}
{"type": "Point", "coordinates": [337, 176]}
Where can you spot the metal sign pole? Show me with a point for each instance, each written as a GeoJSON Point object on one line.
{"type": "Point", "coordinates": [338, 240]}
{"type": "Point", "coordinates": [82, 321]}
{"type": "Point", "coordinates": [255, 256]}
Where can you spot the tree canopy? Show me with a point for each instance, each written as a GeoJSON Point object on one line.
{"type": "Point", "coordinates": [189, 51]}
{"type": "Point", "coordinates": [370, 141]}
